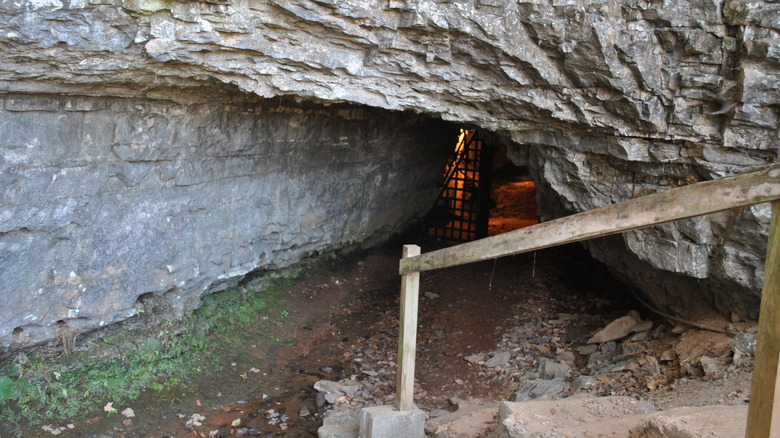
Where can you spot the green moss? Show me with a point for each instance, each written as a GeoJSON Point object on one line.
{"type": "Point", "coordinates": [34, 390]}
{"type": "Point", "coordinates": [736, 13]}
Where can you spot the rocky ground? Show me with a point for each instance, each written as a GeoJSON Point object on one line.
{"type": "Point", "coordinates": [538, 326]}
{"type": "Point", "coordinates": [551, 325]}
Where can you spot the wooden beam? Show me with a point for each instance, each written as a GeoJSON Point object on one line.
{"type": "Point", "coordinates": [674, 204]}
{"type": "Point", "coordinates": [764, 410]}
{"type": "Point", "coordinates": [407, 336]}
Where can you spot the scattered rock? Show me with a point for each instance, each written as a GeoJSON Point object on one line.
{"type": "Point", "coordinates": [668, 356]}
{"type": "Point", "coordinates": [333, 390]}
{"type": "Point", "coordinates": [340, 422]}
{"type": "Point", "coordinates": [549, 369]}
{"type": "Point", "coordinates": [584, 383]}
{"type": "Point", "coordinates": [565, 357]}
{"type": "Point", "coordinates": [653, 369]}
{"type": "Point", "coordinates": [642, 326]}
{"type": "Point", "coordinates": [657, 332]}
{"type": "Point", "coordinates": [498, 358]}
{"type": "Point", "coordinates": [540, 388]}
{"type": "Point", "coordinates": [617, 329]}
{"type": "Point", "coordinates": [710, 366]}
{"type": "Point", "coordinates": [587, 350]}
{"type": "Point", "coordinates": [476, 359]}
{"type": "Point", "coordinates": [431, 295]}
{"type": "Point", "coordinates": [743, 346]}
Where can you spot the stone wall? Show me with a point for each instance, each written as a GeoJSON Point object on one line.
{"type": "Point", "coordinates": [604, 99]}
{"type": "Point", "coordinates": [106, 200]}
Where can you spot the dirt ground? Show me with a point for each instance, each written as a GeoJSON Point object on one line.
{"type": "Point", "coordinates": [341, 322]}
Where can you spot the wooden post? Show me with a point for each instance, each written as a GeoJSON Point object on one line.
{"type": "Point", "coordinates": [764, 409]}
{"type": "Point", "coordinates": [407, 335]}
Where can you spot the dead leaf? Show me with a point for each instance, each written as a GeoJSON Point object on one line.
{"type": "Point", "coordinates": [51, 430]}
{"type": "Point", "coordinates": [195, 421]}
{"type": "Point", "coordinates": [243, 376]}
{"type": "Point", "coordinates": [127, 422]}
{"type": "Point", "coordinates": [236, 423]}
{"type": "Point", "coordinates": [95, 420]}
{"type": "Point", "coordinates": [254, 370]}
{"type": "Point", "coordinates": [109, 407]}
{"type": "Point", "coordinates": [197, 402]}
{"type": "Point", "coordinates": [129, 413]}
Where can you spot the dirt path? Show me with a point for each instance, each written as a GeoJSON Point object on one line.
{"type": "Point", "coordinates": [341, 323]}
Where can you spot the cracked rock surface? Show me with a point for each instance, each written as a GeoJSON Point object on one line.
{"type": "Point", "coordinates": [603, 101]}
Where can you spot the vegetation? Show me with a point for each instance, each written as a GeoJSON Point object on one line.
{"type": "Point", "coordinates": [35, 390]}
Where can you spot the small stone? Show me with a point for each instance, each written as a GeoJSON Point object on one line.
{"type": "Point", "coordinates": [616, 329]}
{"type": "Point", "coordinates": [743, 345]}
{"type": "Point", "coordinates": [498, 358]}
{"type": "Point", "coordinates": [541, 389]}
{"type": "Point", "coordinates": [584, 383]}
{"type": "Point", "coordinates": [304, 413]}
{"type": "Point", "coordinates": [476, 359]}
{"type": "Point", "coordinates": [549, 369]}
{"type": "Point", "coordinates": [642, 326]}
{"type": "Point", "coordinates": [438, 413]}
{"type": "Point", "coordinates": [667, 356]}
{"type": "Point", "coordinates": [565, 357]}
{"type": "Point", "coordinates": [518, 337]}
{"type": "Point", "coordinates": [587, 350]}
{"type": "Point", "coordinates": [608, 347]}
{"type": "Point", "coordinates": [679, 329]}
{"type": "Point", "coordinates": [653, 369]}
{"type": "Point", "coordinates": [710, 366]}
{"type": "Point", "coordinates": [431, 295]}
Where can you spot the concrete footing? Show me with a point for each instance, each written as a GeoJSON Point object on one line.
{"type": "Point", "coordinates": [389, 422]}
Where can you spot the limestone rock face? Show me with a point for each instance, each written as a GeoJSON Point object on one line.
{"type": "Point", "coordinates": [108, 202]}
{"type": "Point", "coordinates": [604, 100]}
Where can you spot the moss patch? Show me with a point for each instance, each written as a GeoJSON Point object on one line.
{"type": "Point", "coordinates": [35, 390]}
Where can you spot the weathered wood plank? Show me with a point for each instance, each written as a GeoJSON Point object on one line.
{"type": "Point", "coordinates": [679, 203]}
{"type": "Point", "coordinates": [764, 409]}
{"type": "Point", "coordinates": [407, 336]}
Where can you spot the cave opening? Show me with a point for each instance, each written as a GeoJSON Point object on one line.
{"type": "Point", "coordinates": [482, 192]}
{"type": "Point", "coordinates": [486, 330]}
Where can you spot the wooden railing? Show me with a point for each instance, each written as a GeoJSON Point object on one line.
{"type": "Point", "coordinates": [671, 205]}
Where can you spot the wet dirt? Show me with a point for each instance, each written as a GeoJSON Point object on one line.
{"type": "Point", "coordinates": [342, 322]}
{"type": "Point", "coordinates": [330, 317]}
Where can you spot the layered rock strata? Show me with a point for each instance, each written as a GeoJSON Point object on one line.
{"type": "Point", "coordinates": [604, 100]}
{"type": "Point", "coordinates": [108, 202]}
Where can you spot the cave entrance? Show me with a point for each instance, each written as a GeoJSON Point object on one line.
{"type": "Point", "coordinates": [482, 193]}
{"type": "Point", "coordinates": [462, 206]}
{"type": "Point", "coordinates": [513, 196]}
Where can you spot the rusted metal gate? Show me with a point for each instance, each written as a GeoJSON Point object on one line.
{"type": "Point", "coordinates": [462, 208]}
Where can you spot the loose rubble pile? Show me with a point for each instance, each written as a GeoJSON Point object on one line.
{"type": "Point", "coordinates": [541, 354]}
